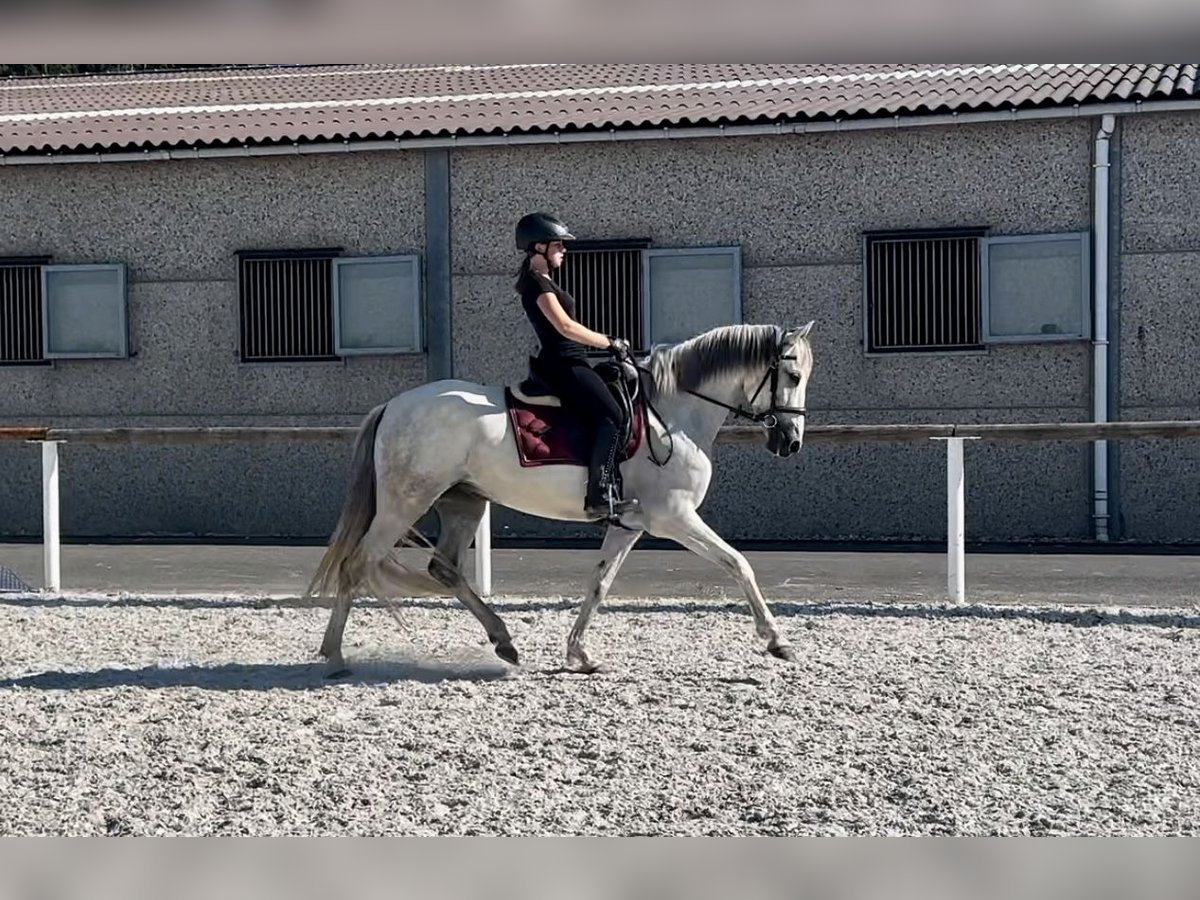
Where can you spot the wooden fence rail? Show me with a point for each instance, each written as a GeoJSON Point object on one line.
{"type": "Point", "coordinates": [733, 434]}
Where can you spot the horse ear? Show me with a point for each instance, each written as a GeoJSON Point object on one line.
{"type": "Point", "coordinates": [803, 330]}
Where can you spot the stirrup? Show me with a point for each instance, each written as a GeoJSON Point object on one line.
{"type": "Point", "coordinates": [611, 509]}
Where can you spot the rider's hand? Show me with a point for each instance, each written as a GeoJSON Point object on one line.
{"type": "Point", "coordinates": [619, 347]}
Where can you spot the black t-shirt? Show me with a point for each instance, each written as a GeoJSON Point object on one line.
{"type": "Point", "coordinates": [532, 285]}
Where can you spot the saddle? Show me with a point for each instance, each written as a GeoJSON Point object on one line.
{"type": "Point", "coordinates": [550, 434]}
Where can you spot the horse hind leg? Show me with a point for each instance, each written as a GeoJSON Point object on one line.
{"type": "Point", "coordinates": [460, 511]}
{"type": "Point", "coordinates": [362, 569]}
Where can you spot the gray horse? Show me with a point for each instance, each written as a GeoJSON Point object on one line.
{"type": "Point", "coordinates": [449, 446]}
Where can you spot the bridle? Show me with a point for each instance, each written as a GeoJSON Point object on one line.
{"type": "Point", "coordinates": [769, 417]}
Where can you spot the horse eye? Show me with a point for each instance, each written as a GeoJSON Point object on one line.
{"type": "Point", "coordinates": [793, 377]}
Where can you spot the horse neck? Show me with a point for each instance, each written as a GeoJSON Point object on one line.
{"type": "Point", "coordinates": [699, 419]}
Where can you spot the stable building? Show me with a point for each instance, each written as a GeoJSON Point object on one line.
{"type": "Point", "coordinates": [294, 245]}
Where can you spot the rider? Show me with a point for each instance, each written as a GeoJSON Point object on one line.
{"type": "Point", "coordinates": [563, 363]}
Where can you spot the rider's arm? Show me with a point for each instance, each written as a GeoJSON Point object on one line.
{"type": "Point", "coordinates": [568, 327]}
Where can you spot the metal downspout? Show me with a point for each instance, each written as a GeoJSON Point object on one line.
{"type": "Point", "coordinates": [1100, 262]}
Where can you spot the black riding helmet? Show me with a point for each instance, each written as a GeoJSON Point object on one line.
{"type": "Point", "coordinates": [539, 227]}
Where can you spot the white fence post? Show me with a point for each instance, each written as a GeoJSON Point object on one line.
{"type": "Point", "coordinates": [956, 521]}
{"type": "Point", "coordinates": [956, 518]}
{"type": "Point", "coordinates": [483, 553]}
{"type": "Point", "coordinates": [51, 545]}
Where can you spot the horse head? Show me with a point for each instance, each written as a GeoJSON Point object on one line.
{"type": "Point", "coordinates": [785, 410]}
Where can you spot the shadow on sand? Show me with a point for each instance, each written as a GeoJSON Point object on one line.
{"type": "Point", "coordinates": [463, 666]}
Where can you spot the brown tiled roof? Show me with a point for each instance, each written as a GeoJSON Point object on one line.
{"type": "Point", "coordinates": [334, 103]}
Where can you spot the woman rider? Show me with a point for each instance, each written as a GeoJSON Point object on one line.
{"type": "Point", "coordinates": [562, 361]}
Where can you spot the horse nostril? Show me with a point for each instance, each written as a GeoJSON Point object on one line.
{"type": "Point", "coordinates": [795, 446]}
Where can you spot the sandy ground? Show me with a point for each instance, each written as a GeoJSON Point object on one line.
{"type": "Point", "coordinates": [211, 715]}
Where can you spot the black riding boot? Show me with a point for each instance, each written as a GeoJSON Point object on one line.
{"type": "Point", "coordinates": [603, 500]}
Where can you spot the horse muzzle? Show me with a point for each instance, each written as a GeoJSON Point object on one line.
{"type": "Point", "coordinates": [782, 442]}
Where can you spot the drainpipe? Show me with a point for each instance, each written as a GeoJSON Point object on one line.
{"type": "Point", "coordinates": [1100, 261]}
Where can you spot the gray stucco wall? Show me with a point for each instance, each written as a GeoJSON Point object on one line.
{"type": "Point", "coordinates": [177, 226]}
{"type": "Point", "coordinates": [798, 206]}
{"type": "Point", "coordinates": [1160, 323]}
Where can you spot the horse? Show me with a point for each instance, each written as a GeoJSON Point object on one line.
{"type": "Point", "coordinates": [450, 446]}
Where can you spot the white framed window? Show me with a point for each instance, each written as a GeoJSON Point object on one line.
{"type": "Point", "coordinates": [85, 311]}
{"type": "Point", "coordinates": [377, 305]}
{"type": "Point", "coordinates": [690, 290]}
{"type": "Point", "coordinates": [1036, 287]}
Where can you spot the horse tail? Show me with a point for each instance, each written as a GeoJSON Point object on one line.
{"type": "Point", "coordinates": [357, 512]}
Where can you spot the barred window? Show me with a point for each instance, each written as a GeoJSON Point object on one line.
{"type": "Point", "coordinates": [652, 295]}
{"type": "Point", "coordinates": [964, 289]}
{"type": "Point", "coordinates": [318, 305]}
{"type": "Point", "coordinates": [286, 305]}
{"type": "Point", "coordinates": [21, 312]}
{"type": "Point", "coordinates": [50, 312]}
{"type": "Point", "coordinates": [923, 292]}
{"type": "Point", "coordinates": [605, 278]}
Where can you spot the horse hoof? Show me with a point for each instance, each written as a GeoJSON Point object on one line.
{"type": "Point", "coordinates": [336, 670]}
{"type": "Point", "coordinates": [507, 652]}
{"type": "Point", "coordinates": [784, 652]}
{"type": "Point", "coordinates": [580, 664]}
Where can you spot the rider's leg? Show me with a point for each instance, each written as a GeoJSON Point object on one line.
{"type": "Point", "coordinates": [583, 389]}
{"type": "Point", "coordinates": [601, 468]}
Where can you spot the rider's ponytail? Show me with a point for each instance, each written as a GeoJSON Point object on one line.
{"type": "Point", "coordinates": [522, 271]}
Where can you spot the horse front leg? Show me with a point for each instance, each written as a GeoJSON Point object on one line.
{"type": "Point", "coordinates": [617, 544]}
{"type": "Point", "coordinates": [695, 534]}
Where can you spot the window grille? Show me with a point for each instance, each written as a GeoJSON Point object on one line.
{"type": "Point", "coordinates": [21, 312]}
{"type": "Point", "coordinates": [606, 282]}
{"type": "Point", "coordinates": [286, 305]}
{"type": "Point", "coordinates": [923, 292]}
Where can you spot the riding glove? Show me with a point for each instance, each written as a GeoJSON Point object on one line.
{"type": "Point", "coordinates": [618, 347]}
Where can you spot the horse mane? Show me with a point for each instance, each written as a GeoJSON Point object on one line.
{"type": "Point", "coordinates": [726, 350]}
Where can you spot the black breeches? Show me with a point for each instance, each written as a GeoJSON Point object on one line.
{"type": "Point", "coordinates": [582, 388]}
